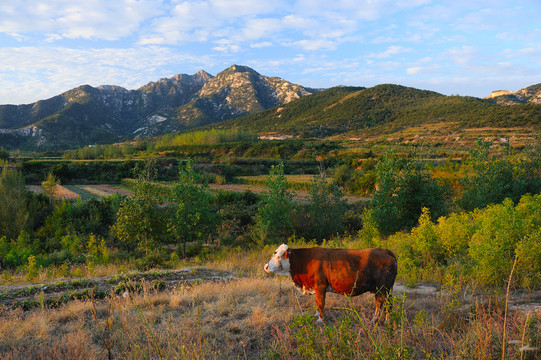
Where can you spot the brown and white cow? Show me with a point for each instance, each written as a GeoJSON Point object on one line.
{"type": "Point", "coordinates": [347, 272]}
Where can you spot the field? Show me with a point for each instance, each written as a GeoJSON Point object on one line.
{"type": "Point", "coordinates": [174, 270]}
{"type": "Point", "coordinates": [84, 192]}
{"type": "Point", "coordinates": [259, 316]}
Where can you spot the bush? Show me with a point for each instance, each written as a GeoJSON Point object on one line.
{"type": "Point", "coordinates": [479, 246]}
{"type": "Point", "coordinates": [404, 188]}
{"type": "Point", "coordinates": [495, 179]}
{"type": "Point", "coordinates": [502, 229]}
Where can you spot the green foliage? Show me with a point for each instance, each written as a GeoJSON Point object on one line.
{"type": "Point", "coordinates": [502, 228]}
{"type": "Point", "coordinates": [191, 218]}
{"type": "Point", "coordinates": [382, 109]}
{"type": "Point", "coordinates": [495, 179]}
{"type": "Point", "coordinates": [108, 151]}
{"type": "Point", "coordinates": [17, 251]}
{"type": "Point", "coordinates": [369, 233]}
{"type": "Point", "coordinates": [140, 222]}
{"type": "Point", "coordinates": [79, 172]}
{"type": "Point", "coordinates": [32, 270]}
{"type": "Point", "coordinates": [312, 342]}
{"type": "Point", "coordinates": [204, 137]}
{"type": "Point", "coordinates": [359, 181]}
{"type": "Point", "coordinates": [96, 250]}
{"type": "Point", "coordinates": [273, 216]}
{"type": "Point", "coordinates": [404, 187]}
{"type": "Point", "coordinates": [237, 212]}
{"type": "Point", "coordinates": [326, 208]}
{"type": "Point", "coordinates": [4, 154]}
{"type": "Point", "coordinates": [80, 218]}
{"type": "Point", "coordinates": [478, 246]}
{"type": "Point", "coordinates": [14, 214]}
{"type": "Point", "coordinates": [49, 185]}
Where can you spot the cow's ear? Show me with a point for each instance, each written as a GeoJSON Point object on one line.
{"type": "Point", "coordinates": [286, 254]}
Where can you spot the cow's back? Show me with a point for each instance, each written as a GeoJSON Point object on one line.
{"type": "Point", "coordinates": [347, 271]}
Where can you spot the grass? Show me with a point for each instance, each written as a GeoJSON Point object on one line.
{"type": "Point", "coordinates": [83, 194]}
{"type": "Point", "coordinates": [261, 316]}
{"type": "Point", "coordinates": [264, 317]}
{"type": "Point", "coordinates": [296, 182]}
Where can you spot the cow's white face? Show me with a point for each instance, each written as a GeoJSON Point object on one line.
{"type": "Point", "coordinates": [279, 264]}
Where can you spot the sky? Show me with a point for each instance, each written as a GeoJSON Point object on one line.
{"type": "Point", "coordinates": [456, 47]}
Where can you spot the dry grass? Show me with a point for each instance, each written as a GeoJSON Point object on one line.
{"type": "Point", "coordinates": [60, 192]}
{"type": "Point", "coordinates": [252, 318]}
{"type": "Point", "coordinates": [261, 316]}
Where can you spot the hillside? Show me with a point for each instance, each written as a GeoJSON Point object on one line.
{"type": "Point", "coordinates": [239, 97]}
{"type": "Point", "coordinates": [105, 114]}
{"type": "Point", "coordinates": [351, 112]}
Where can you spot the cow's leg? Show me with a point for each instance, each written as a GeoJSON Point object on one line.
{"type": "Point", "coordinates": [320, 302]}
{"type": "Point", "coordinates": [382, 296]}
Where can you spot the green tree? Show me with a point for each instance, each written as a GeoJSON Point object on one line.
{"type": "Point", "coordinates": [49, 186]}
{"type": "Point", "coordinates": [404, 187]}
{"type": "Point", "coordinates": [495, 179]}
{"type": "Point", "coordinates": [14, 215]}
{"type": "Point", "coordinates": [327, 207]}
{"type": "Point", "coordinates": [273, 216]}
{"type": "Point", "coordinates": [191, 217]}
{"type": "Point", "coordinates": [139, 220]}
{"type": "Point", "coordinates": [4, 154]}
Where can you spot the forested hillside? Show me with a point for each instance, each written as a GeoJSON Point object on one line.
{"type": "Point", "coordinates": [383, 109]}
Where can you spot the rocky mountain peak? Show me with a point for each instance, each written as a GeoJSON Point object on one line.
{"type": "Point", "coordinates": [110, 112]}
{"type": "Point", "coordinates": [203, 76]}
{"type": "Point", "coordinates": [111, 88]}
{"type": "Point", "coordinates": [531, 94]}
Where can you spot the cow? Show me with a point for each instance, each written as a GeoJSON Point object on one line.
{"type": "Point", "coordinates": [348, 272]}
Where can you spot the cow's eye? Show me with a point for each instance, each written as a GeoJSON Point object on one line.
{"type": "Point", "coordinates": [274, 253]}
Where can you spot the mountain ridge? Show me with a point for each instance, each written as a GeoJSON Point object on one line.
{"type": "Point", "coordinates": [243, 98]}
{"type": "Point", "coordinates": [107, 113]}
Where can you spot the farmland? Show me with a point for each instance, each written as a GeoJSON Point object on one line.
{"type": "Point", "coordinates": [83, 192]}
{"type": "Point", "coordinates": [160, 254]}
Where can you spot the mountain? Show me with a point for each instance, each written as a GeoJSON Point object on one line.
{"type": "Point", "coordinates": [105, 114]}
{"type": "Point", "coordinates": [531, 94]}
{"type": "Point", "coordinates": [384, 110]}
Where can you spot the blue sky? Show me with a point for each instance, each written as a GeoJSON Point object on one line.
{"type": "Point", "coordinates": [465, 47]}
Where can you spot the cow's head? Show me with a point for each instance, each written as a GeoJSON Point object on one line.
{"type": "Point", "coordinates": [279, 263]}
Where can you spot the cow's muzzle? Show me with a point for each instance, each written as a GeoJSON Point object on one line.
{"type": "Point", "coordinates": [266, 268]}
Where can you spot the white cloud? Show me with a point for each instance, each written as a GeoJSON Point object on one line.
{"type": "Point", "coordinates": [414, 70]}
{"type": "Point", "coordinates": [32, 73]}
{"type": "Point", "coordinates": [315, 44]}
{"type": "Point", "coordinates": [260, 45]}
{"type": "Point", "coordinates": [97, 19]}
{"type": "Point", "coordinates": [391, 51]}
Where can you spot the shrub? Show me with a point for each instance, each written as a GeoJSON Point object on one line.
{"type": "Point", "coordinates": [274, 212]}
{"type": "Point", "coordinates": [495, 179]}
{"type": "Point", "coordinates": [502, 229]}
{"type": "Point", "coordinates": [326, 208]}
{"type": "Point", "coordinates": [404, 188]}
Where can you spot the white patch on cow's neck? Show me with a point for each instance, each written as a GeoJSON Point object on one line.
{"type": "Point", "coordinates": [284, 268]}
